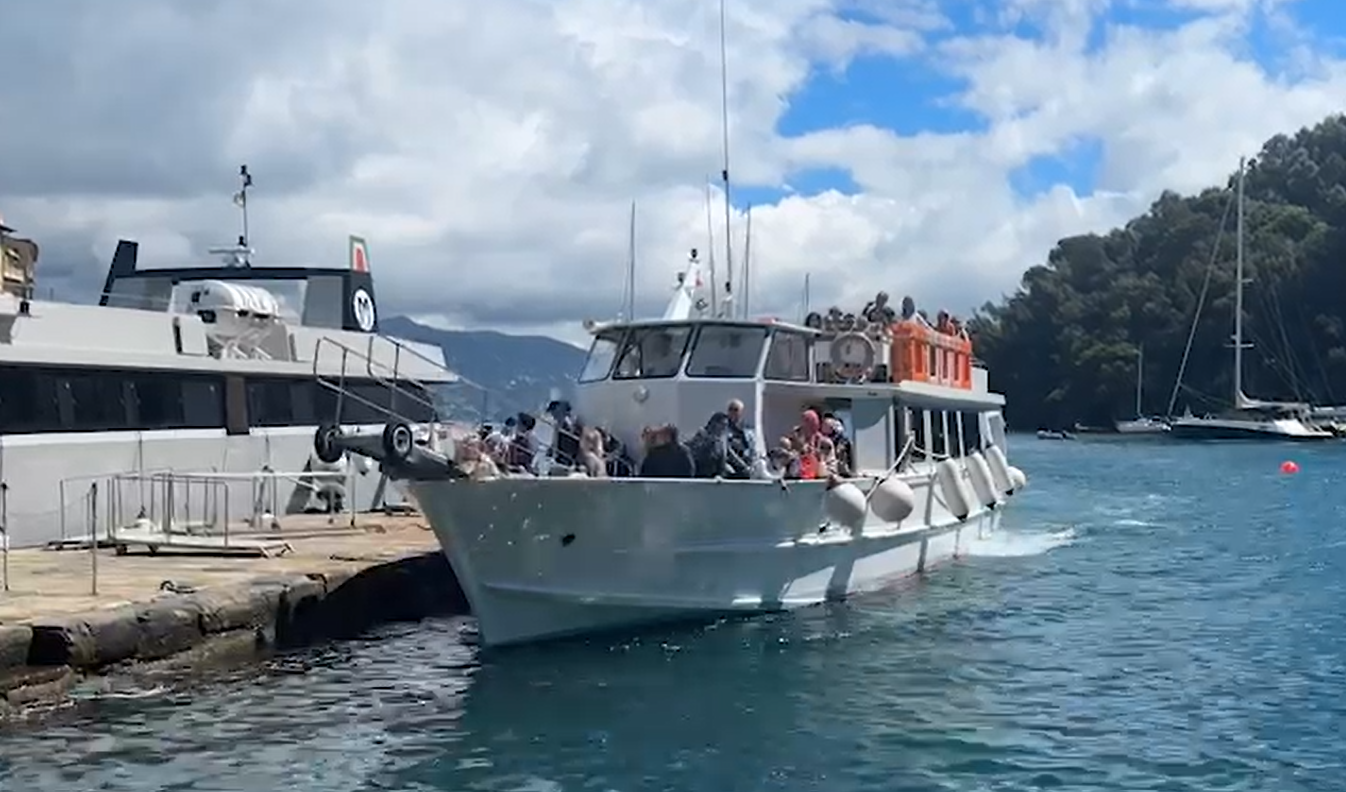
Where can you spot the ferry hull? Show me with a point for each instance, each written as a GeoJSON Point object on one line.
{"type": "Point", "coordinates": [557, 557]}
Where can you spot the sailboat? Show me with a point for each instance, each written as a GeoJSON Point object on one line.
{"type": "Point", "coordinates": [1248, 419]}
{"type": "Point", "coordinates": [1141, 424]}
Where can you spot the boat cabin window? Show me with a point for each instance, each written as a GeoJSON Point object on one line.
{"type": "Point", "coordinates": [789, 357]}
{"type": "Point", "coordinates": [971, 432]}
{"type": "Point", "coordinates": [652, 352]}
{"type": "Point", "coordinates": [726, 351]}
{"type": "Point", "coordinates": [602, 354]}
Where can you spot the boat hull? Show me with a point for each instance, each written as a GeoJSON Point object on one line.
{"type": "Point", "coordinates": [557, 557]}
{"type": "Point", "coordinates": [1215, 429]}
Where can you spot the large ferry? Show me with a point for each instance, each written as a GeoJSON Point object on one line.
{"type": "Point", "coordinates": [547, 553]}
{"type": "Point", "coordinates": [187, 369]}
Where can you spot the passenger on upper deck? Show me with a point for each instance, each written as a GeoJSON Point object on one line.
{"type": "Point", "coordinates": [879, 311]}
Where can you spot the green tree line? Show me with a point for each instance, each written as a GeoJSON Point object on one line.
{"type": "Point", "coordinates": [1063, 348]}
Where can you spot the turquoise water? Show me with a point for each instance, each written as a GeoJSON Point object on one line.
{"type": "Point", "coordinates": [1155, 617]}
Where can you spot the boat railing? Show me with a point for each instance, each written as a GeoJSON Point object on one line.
{"type": "Point", "coordinates": [403, 390]}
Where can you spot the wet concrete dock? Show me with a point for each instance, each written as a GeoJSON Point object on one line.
{"type": "Point", "coordinates": [330, 581]}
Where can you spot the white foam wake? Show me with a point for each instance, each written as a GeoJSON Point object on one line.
{"type": "Point", "coordinates": [1011, 544]}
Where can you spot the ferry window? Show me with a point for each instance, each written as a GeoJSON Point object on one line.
{"type": "Point", "coordinates": [28, 401]}
{"type": "Point", "coordinates": [789, 357]}
{"type": "Point", "coordinates": [301, 399]}
{"type": "Point", "coordinates": [972, 431]}
{"type": "Point", "coordinates": [415, 403]}
{"type": "Point", "coordinates": [939, 441]}
{"type": "Point", "coordinates": [726, 351]}
{"type": "Point", "coordinates": [158, 401]}
{"type": "Point", "coordinates": [97, 401]}
{"type": "Point", "coordinates": [920, 422]}
{"type": "Point", "coordinates": [652, 353]}
{"type": "Point", "coordinates": [202, 403]}
{"type": "Point", "coordinates": [602, 353]}
{"type": "Point", "coordinates": [270, 402]}
{"type": "Point", "coordinates": [366, 403]}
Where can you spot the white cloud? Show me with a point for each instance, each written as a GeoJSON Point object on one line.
{"type": "Point", "coordinates": [489, 151]}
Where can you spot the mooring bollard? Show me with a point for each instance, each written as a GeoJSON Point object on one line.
{"type": "Point", "coordinates": [4, 532]}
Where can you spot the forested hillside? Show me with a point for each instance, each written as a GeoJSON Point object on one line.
{"type": "Point", "coordinates": [1063, 348]}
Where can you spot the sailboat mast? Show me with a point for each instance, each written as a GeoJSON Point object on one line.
{"type": "Point", "coordinates": [724, 174]}
{"type": "Point", "coordinates": [1238, 296]}
{"type": "Point", "coordinates": [1140, 376]}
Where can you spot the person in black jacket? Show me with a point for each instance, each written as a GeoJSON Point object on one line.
{"type": "Point", "coordinates": [666, 456]}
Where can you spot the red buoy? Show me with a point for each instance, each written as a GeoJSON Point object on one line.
{"type": "Point", "coordinates": [1289, 466]}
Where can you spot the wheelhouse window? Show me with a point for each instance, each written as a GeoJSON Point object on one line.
{"type": "Point", "coordinates": [602, 354]}
{"type": "Point", "coordinates": [726, 351]}
{"type": "Point", "coordinates": [652, 352]}
{"type": "Point", "coordinates": [789, 357]}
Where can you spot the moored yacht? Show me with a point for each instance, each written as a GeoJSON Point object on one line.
{"type": "Point", "coordinates": [187, 369]}
{"type": "Point", "coordinates": [544, 556]}
{"type": "Point", "coordinates": [1248, 419]}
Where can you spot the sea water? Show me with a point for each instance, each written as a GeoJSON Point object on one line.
{"type": "Point", "coordinates": [1154, 616]}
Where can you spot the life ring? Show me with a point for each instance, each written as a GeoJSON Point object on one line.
{"type": "Point", "coordinates": [844, 357]}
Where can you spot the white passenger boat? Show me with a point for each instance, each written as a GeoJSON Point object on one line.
{"type": "Point", "coordinates": [187, 370]}
{"type": "Point", "coordinates": [563, 554]}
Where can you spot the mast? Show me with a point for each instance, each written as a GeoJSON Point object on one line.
{"type": "Point", "coordinates": [631, 266]}
{"type": "Point", "coordinates": [1140, 376]}
{"type": "Point", "coordinates": [747, 263]}
{"type": "Point", "coordinates": [710, 253]}
{"type": "Point", "coordinates": [1238, 296]}
{"type": "Point", "coordinates": [724, 174]}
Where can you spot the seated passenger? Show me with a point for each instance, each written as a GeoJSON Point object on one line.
{"type": "Point", "coordinates": [565, 450]}
{"type": "Point", "coordinates": [835, 431]}
{"type": "Point", "coordinates": [666, 456]}
{"type": "Point", "coordinates": [523, 447]}
{"type": "Point", "coordinates": [711, 448]}
{"type": "Point", "coordinates": [472, 459]}
{"type": "Point", "coordinates": [591, 453]}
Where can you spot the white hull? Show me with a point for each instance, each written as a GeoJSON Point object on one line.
{"type": "Point", "coordinates": [1246, 429]}
{"type": "Point", "coordinates": [552, 557]}
{"type": "Point", "coordinates": [40, 509]}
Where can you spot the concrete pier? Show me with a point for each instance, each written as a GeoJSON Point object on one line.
{"type": "Point", "coordinates": [193, 607]}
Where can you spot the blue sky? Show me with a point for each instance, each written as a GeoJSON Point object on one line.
{"type": "Point", "coordinates": [912, 95]}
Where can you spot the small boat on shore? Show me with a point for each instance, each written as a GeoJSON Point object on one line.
{"type": "Point", "coordinates": [550, 551]}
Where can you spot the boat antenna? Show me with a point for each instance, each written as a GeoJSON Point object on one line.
{"type": "Point", "coordinates": [805, 313]}
{"type": "Point", "coordinates": [240, 255]}
{"type": "Point", "coordinates": [710, 252]}
{"type": "Point", "coordinates": [724, 173]}
{"type": "Point", "coordinates": [631, 266]}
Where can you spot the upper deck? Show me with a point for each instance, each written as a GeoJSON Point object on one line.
{"type": "Point", "coordinates": [908, 359]}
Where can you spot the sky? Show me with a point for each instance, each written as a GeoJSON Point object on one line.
{"type": "Point", "coordinates": [490, 151]}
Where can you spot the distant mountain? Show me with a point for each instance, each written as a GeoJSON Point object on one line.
{"type": "Point", "coordinates": [505, 374]}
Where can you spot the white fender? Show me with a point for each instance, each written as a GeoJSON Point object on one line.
{"type": "Point", "coordinates": [1018, 478]}
{"type": "Point", "coordinates": [1000, 474]}
{"type": "Point", "coordinates": [844, 504]}
{"type": "Point", "coordinates": [892, 501]}
{"type": "Point", "coordinates": [983, 486]}
{"type": "Point", "coordinates": [951, 486]}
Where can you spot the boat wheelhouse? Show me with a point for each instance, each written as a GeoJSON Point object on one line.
{"type": "Point", "coordinates": [563, 553]}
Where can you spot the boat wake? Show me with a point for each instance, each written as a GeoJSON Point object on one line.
{"type": "Point", "coordinates": [1009, 544]}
